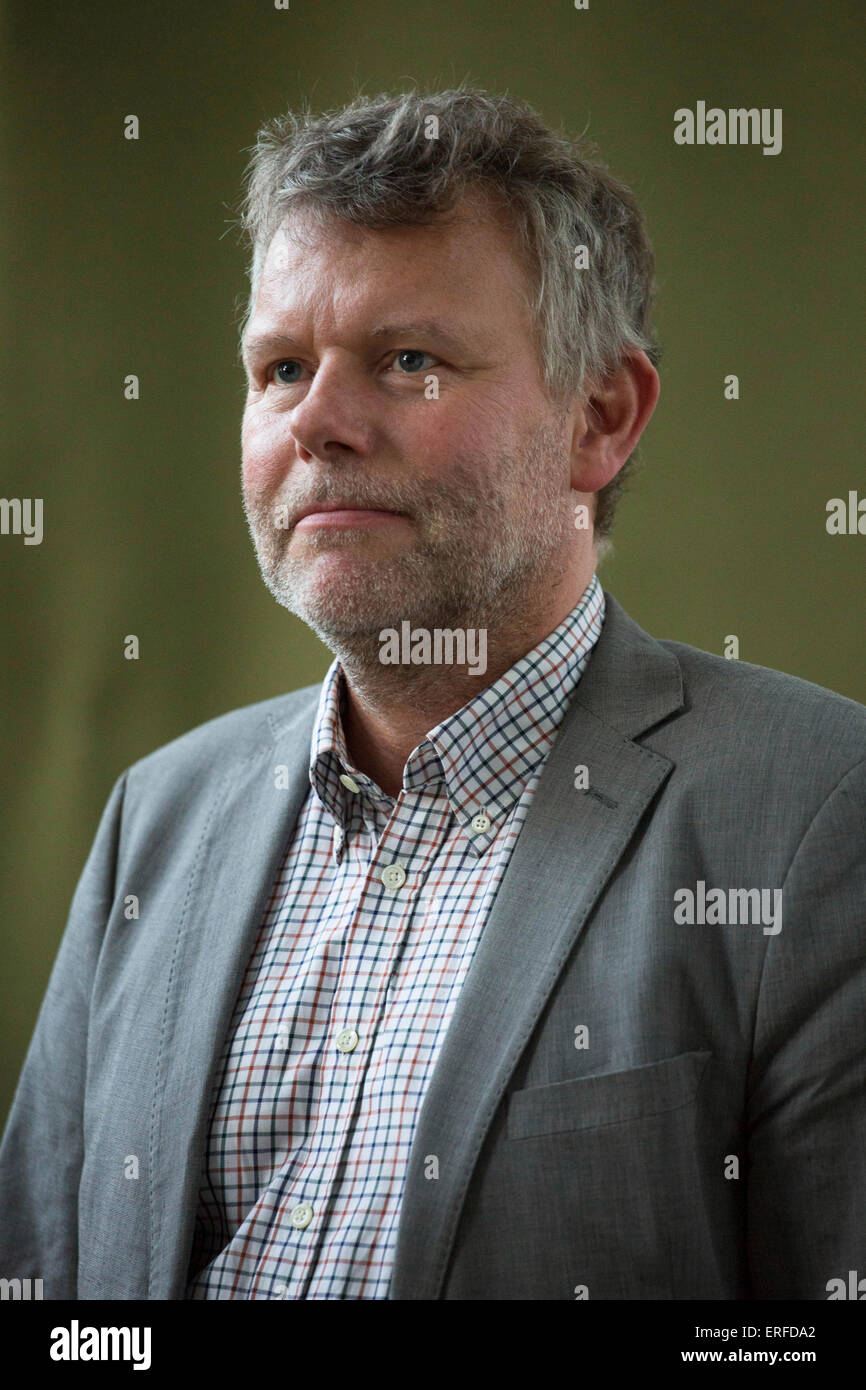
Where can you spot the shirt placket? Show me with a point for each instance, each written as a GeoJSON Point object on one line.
{"type": "Point", "coordinates": [381, 924]}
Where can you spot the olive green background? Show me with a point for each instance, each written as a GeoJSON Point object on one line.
{"type": "Point", "coordinates": [124, 259]}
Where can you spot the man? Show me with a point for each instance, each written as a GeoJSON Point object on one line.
{"type": "Point", "coordinates": [524, 958]}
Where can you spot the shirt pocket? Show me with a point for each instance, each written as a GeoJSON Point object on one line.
{"type": "Point", "coordinates": [588, 1102]}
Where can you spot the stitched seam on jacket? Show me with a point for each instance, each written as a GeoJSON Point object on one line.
{"type": "Point", "coordinates": [121, 782]}
{"type": "Point", "coordinates": [158, 1082]}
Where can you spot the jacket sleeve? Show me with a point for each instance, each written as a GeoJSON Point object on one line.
{"type": "Point", "coordinates": [42, 1149]}
{"type": "Point", "coordinates": [806, 1141]}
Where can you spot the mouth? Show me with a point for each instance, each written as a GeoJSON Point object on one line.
{"type": "Point", "coordinates": [340, 514]}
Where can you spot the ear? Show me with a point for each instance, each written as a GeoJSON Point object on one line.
{"type": "Point", "coordinates": [607, 428]}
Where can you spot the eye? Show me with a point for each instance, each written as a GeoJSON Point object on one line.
{"type": "Point", "coordinates": [412, 366]}
{"type": "Point", "coordinates": [289, 362]}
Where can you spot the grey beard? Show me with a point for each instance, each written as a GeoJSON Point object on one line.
{"type": "Point", "coordinates": [473, 567]}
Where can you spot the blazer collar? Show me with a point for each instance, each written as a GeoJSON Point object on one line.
{"type": "Point", "coordinates": [632, 682]}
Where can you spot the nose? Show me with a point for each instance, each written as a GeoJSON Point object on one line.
{"type": "Point", "coordinates": [335, 417]}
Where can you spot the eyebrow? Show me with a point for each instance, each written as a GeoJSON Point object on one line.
{"type": "Point", "coordinates": [260, 344]}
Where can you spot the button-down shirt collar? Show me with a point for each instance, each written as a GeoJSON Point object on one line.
{"type": "Point", "coordinates": [482, 755]}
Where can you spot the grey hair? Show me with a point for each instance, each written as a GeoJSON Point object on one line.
{"type": "Point", "coordinates": [373, 163]}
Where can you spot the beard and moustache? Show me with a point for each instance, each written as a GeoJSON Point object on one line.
{"type": "Point", "coordinates": [478, 561]}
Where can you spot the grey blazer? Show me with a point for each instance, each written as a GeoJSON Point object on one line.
{"type": "Point", "coordinates": [627, 1105]}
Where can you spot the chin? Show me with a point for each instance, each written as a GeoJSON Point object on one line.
{"type": "Point", "coordinates": [340, 608]}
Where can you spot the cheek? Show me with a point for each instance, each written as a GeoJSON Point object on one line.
{"type": "Point", "coordinates": [263, 456]}
{"type": "Point", "coordinates": [441, 432]}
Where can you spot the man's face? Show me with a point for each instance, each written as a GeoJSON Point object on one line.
{"type": "Point", "coordinates": [392, 374]}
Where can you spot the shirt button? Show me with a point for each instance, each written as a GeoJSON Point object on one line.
{"type": "Point", "coordinates": [349, 782]}
{"type": "Point", "coordinates": [347, 1040]}
{"type": "Point", "coordinates": [480, 823]}
{"type": "Point", "coordinates": [394, 876]}
{"type": "Point", "coordinates": [302, 1215]}
{"type": "Point", "coordinates": [282, 1291]}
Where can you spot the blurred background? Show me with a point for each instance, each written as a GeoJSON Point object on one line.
{"type": "Point", "coordinates": [122, 257]}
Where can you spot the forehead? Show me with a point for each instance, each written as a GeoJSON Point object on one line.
{"type": "Point", "coordinates": [468, 262]}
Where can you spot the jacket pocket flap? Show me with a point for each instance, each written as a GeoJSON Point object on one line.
{"type": "Point", "coordinates": [587, 1102]}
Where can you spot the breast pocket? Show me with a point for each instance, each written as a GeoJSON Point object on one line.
{"type": "Point", "coordinates": [610, 1098]}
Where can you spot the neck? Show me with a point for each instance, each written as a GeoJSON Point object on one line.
{"type": "Point", "coordinates": [389, 710]}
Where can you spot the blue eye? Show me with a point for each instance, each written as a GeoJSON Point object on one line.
{"type": "Point", "coordinates": [412, 352]}
{"type": "Point", "coordinates": [411, 361]}
{"type": "Point", "coordinates": [289, 362]}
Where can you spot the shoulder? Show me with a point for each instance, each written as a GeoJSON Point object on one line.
{"type": "Point", "coordinates": [697, 703]}
{"type": "Point", "coordinates": [757, 694]}
{"type": "Point", "coordinates": [238, 734]}
{"type": "Point", "coordinates": [769, 724]}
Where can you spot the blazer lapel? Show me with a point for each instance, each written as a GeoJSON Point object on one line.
{"type": "Point", "coordinates": [629, 685]}
{"type": "Point", "coordinates": [254, 810]}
